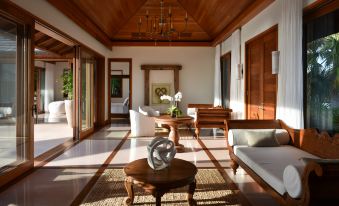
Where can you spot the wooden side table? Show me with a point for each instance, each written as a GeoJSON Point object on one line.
{"type": "Point", "coordinates": [173, 123]}
{"type": "Point", "coordinates": [157, 182]}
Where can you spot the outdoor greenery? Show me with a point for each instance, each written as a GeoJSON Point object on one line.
{"type": "Point", "coordinates": [67, 87]}
{"type": "Point", "coordinates": [323, 84]}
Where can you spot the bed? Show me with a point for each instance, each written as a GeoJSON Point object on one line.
{"type": "Point", "coordinates": [120, 108]}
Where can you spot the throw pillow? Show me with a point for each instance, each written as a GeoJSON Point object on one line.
{"type": "Point", "coordinates": [261, 138]}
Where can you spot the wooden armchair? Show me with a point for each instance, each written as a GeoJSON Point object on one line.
{"type": "Point", "coordinates": [211, 118]}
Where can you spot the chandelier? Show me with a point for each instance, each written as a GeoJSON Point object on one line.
{"type": "Point", "coordinates": [160, 27]}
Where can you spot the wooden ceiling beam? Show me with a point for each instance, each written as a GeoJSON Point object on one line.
{"type": "Point", "coordinates": [66, 51]}
{"type": "Point", "coordinates": [54, 45]}
{"type": "Point", "coordinates": [44, 49]}
{"type": "Point", "coordinates": [42, 40]}
{"type": "Point", "coordinates": [53, 34]}
{"type": "Point", "coordinates": [162, 43]}
{"type": "Point", "coordinates": [245, 16]}
{"type": "Point", "coordinates": [68, 8]}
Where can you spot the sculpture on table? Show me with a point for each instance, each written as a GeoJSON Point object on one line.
{"type": "Point", "coordinates": [161, 151]}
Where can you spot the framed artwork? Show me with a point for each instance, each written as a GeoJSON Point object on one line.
{"type": "Point", "coordinates": [116, 86]}
{"type": "Point", "coordinates": [159, 89]}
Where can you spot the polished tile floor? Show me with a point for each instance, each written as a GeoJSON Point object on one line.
{"type": "Point", "coordinates": [61, 180]}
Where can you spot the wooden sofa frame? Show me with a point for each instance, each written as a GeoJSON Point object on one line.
{"type": "Point", "coordinates": [209, 116]}
{"type": "Point", "coordinates": [320, 179]}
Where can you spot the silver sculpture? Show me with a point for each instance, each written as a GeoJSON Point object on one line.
{"type": "Point", "coordinates": [161, 151]}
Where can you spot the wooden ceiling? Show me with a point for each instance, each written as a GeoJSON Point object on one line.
{"type": "Point", "coordinates": [113, 22]}
{"type": "Point", "coordinates": [50, 48]}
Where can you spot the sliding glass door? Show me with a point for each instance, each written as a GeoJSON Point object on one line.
{"type": "Point", "coordinates": [88, 66]}
{"type": "Point", "coordinates": [14, 116]}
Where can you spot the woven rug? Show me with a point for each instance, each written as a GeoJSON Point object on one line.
{"type": "Point", "coordinates": [211, 190]}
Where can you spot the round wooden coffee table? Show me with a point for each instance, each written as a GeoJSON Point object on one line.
{"type": "Point", "coordinates": [158, 182]}
{"type": "Point", "coordinates": [173, 123]}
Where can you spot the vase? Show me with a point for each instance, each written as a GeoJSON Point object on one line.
{"type": "Point", "coordinates": [173, 114]}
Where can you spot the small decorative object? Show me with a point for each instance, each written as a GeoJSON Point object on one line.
{"type": "Point", "coordinates": [275, 62]}
{"type": "Point", "coordinates": [161, 151]}
{"type": "Point", "coordinates": [173, 110]}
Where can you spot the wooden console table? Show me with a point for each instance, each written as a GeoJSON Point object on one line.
{"type": "Point", "coordinates": [157, 182]}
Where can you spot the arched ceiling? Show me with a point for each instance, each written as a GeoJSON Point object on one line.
{"type": "Point", "coordinates": [115, 22]}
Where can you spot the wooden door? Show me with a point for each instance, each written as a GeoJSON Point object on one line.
{"type": "Point", "coordinates": [261, 84]}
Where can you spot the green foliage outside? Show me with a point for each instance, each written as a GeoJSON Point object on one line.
{"type": "Point", "coordinates": [323, 83]}
{"type": "Point", "coordinates": [67, 87]}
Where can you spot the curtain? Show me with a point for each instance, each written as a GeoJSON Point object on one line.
{"type": "Point", "coordinates": [290, 77]}
{"type": "Point", "coordinates": [217, 78]}
{"type": "Point", "coordinates": [235, 103]}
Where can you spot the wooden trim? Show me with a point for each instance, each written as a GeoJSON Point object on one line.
{"type": "Point", "coordinates": [54, 34]}
{"type": "Point", "coordinates": [160, 43]}
{"type": "Point", "coordinates": [226, 56]}
{"type": "Point", "coordinates": [81, 19]}
{"type": "Point", "coordinates": [78, 200]}
{"type": "Point", "coordinates": [160, 67]}
{"type": "Point", "coordinates": [129, 61]}
{"type": "Point", "coordinates": [148, 67]}
{"type": "Point", "coordinates": [251, 11]}
{"type": "Point", "coordinates": [319, 8]}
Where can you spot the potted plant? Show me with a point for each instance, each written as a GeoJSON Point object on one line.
{"type": "Point", "coordinates": [173, 110]}
{"type": "Point", "coordinates": [67, 89]}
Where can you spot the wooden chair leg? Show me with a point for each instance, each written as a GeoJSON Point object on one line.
{"type": "Point", "coordinates": [234, 166]}
{"type": "Point", "coordinates": [197, 131]}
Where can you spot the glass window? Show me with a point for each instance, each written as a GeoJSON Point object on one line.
{"type": "Point", "coordinates": [322, 73]}
{"type": "Point", "coordinates": [88, 65]}
{"type": "Point", "coordinates": [225, 63]}
{"type": "Point", "coordinates": [12, 124]}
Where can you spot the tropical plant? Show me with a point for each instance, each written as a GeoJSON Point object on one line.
{"type": "Point", "coordinates": [67, 87]}
{"type": "Point", "coordinates": [322, 83]}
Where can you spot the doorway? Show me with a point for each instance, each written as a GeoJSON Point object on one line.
{"type": "Point", "coordinates": [261, 84]}
{"type": "Point", "coordinates": [120, 87]}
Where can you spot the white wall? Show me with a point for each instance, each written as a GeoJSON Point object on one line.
{"type": "Point", "coordinates": [195, 78]}
{"type": "Point", "coordinates": [266, 19]}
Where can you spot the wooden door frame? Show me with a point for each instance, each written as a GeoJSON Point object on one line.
{"type": "Point", "coordinates": [246, 76]}
{"type": "Point", "coordinates": [109, 61]}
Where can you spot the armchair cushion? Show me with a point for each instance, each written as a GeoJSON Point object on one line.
{"type": "Point", "coordinates": [141, 125]}
{"type": "Point", "coordinates": [149, 111]}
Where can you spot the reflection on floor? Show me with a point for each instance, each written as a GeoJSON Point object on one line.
{"type": "Point", "coordinates": [61, 180]}
{"type": "Point", "coordinates": [50, 132]}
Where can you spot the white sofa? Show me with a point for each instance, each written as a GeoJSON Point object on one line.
{"type": "Point", "coordinates": [271, 167]}
{"type": "Point", "coordinates": [283, 164]}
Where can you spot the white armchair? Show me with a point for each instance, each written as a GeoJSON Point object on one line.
{"type": "Point", "coordinates": [149, 111]}
{"type": "Point", "coordinates": [141, 125]}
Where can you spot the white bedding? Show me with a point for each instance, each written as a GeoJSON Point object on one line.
{"type": "Point", "coordinates": [119, 108]}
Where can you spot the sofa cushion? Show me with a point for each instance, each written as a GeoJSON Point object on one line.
{"type": "Point", "coordinates": [292, 180]}
{"type": "Point", "coordinates": [149, 111]}
{"type": "Point", "coordinates": [236, 136]}
{"type": "Point", "coordinates": [269, 162]}
{"type": "Point", "coordinates": [261, 138]}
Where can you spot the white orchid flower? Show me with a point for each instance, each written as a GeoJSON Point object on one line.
{"type": "Point", "coordinates": [166, 97]}
{"type": "Point", "coordinates": [178, 97]}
